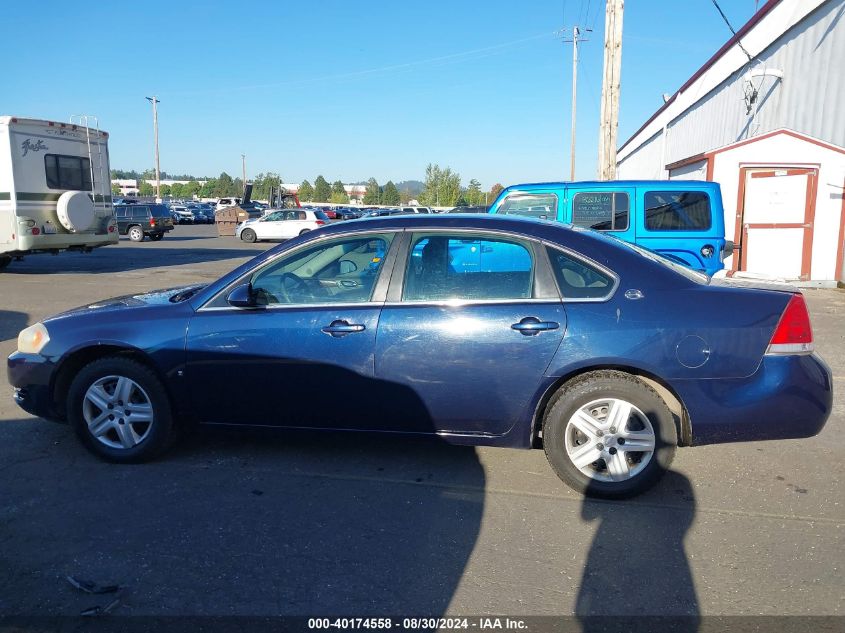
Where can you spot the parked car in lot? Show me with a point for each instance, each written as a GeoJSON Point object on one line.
{"type": "Point", "coordinates": [185, 215]}
{"type": "Point", "coordinates": [280, 225]}
{"type": "Point", "coordinates": [480, 330]}
{"type": "Point", "coordinates": [222, 203]}
{"type": "Point", "coordinates": [470, 209]}
{"type": "Point", "coordinates": [143, 220]}
{"type": "Point", "coordinates": [682, 219]}
{"type": "Point", "coordinates": [348, 213]}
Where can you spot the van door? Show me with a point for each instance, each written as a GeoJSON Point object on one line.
{"type": "Point", "coordinates": [601, 208]}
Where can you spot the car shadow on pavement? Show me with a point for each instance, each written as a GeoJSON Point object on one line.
{"type": "Point", "coordinates": [11, 323]}
{"type": "Point", "coordinates": [123, 258]}
{"type": "Point", "coordinates": [637, 564]}
{"type": "Point", "coordinates": [239, 523]}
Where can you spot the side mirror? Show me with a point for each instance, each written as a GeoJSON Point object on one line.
{"type": "Point", "coordinates": [242, 297]}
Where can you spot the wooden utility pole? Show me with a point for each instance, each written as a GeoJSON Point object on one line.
{"type": "Point", "coordinates": [576, 37]}
{"type": "Point", "coordinates": [609, 121]}
{"type": "Point", "coordinates": [154, 100]}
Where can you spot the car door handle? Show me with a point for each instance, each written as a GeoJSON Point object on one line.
{"type": "Point", "coordinates": [530, 326]}
{"type": "Point", "coordinates": [342, 328]}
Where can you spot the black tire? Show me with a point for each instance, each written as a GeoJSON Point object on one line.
{"type": "Point", "coordinates": [304, 231]}
{"type": "Point", "coordinates": [159, 432]}
{"type": "Point", "coordinates": [593, 387]}
{"type": "Point", "coordinates": [5, 261]}
{"type": "Point", "coordinates": [156, 237]}
{"type": "Point", "coordinates": [248, 235]}
{"type": "Point", "coordinates": [136, 233]}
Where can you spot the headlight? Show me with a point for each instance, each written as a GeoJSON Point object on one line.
{"type": "Point", "coordinates": [33, 339]}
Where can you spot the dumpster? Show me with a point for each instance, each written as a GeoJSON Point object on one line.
{"type": "Point", "coordinates": [227, 220]}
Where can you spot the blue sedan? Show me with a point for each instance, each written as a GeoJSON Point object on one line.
{"type": "Point", "coordinates": [483, 330]}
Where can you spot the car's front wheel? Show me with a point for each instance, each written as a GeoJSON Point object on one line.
{"type": "Point", "coordinates": [136, 234]}
{"type": "Point", "coordinates": [248, 235]}
{"type": "Point", "coordinates": [120, 410]}
{"type": "Point", "coordinates": [608, 434]}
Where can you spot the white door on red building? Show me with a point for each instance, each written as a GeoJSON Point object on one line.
{"type": "Point", "coordinates": [777, 221]}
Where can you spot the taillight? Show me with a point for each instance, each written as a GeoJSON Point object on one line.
{"type": "Point", "coordinates": [35, 230]}
{"type": "Point", "coordinates": [794, 334]}
{"type": "Point", "coordinates": [152, 222]}
{"type": "Point", "coordinates": [320, 223]}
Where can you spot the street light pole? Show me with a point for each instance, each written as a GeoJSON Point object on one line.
{"type": "Point", "coordinates": [154, 100]}
{"type": "Point", "coordinates": [243, 167]}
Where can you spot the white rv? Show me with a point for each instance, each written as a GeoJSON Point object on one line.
{"type": "Point", "coordinates": [55, 188]}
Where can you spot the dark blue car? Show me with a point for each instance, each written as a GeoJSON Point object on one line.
{"type": "Point", "coordinates": [482, 330]}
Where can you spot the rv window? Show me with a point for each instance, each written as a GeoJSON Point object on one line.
{"type": "Point", "coordinates": [68, 172]}
{"type": "Point", "coordinates": [601, 210]}
{"type": "Point", "coordinates": [677, 211]}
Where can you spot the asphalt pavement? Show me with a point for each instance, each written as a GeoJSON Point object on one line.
{"type": "Point", "coordinates": [257, 523]}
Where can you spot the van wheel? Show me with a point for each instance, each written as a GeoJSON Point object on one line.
{"type": "Point", "coordinates": [609, 435]}
{"type": "Point", "coordinates": [5, 261]}
{"type": "Point", "coordinates": [136, 234]}
{"type": "Point", "coordinates": [248, 235]}
{"type": "Point", "coordinates": [120, 410]}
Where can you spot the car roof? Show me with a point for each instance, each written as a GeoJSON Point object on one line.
{"type": "Point", "coordinates": [664, 184]}
{"type": "Point", "coordinates": [473, 221]}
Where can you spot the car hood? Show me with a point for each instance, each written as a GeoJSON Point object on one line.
{"type": "Point", "coordinates": [165, 296]}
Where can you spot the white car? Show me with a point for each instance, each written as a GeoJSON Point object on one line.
{"type": "Point", "coordinates": [223, 203]}
{"type": "Point", "coordinates": [281, 225]}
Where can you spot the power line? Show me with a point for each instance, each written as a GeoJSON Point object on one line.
{"type": "Point", "coordinates": [738, 41]}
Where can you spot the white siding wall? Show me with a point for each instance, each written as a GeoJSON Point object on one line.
{"type": "Point", "coordinates": [811, 55]}
{"type": "Point", "coordinates": [808, 99]}
{"type": "Point", "coordinates": [646, 162]}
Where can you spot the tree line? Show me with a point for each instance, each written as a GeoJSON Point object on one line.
{"type": "Point", "coordinates": [442, 188]}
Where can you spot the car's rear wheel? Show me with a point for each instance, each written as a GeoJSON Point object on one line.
{"type": "Point", "coordinates": [248, 235]}
{"type": "Point", "coordinates": [136, 234]}
{"type": "Point", "coordinates": [155, 237]}
{"type": "Point", "coordinates": [608, 434]}
{"type": "Point", "coordinates": [120, 410]}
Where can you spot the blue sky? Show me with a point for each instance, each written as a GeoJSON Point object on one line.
{"type": "Point", "coordinates": [350, 90]}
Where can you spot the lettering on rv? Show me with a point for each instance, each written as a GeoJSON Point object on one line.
{"type": "Point", "coordinates": [28, 146]}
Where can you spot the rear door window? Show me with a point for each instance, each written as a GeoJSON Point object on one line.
{"type": "Point", "coordinates": [601, 210]}
{"type": "Point", "coordinates": [677, 211]}
{"type": "Point", "coordinates": [578, 280]}
{"type": "Point", "coordinates": [467, 268]}
{"type": "Point", "coordinates": [533, 205]}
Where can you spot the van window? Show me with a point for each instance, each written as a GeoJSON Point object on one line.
{"type": "Point", "coordinates": [532, 205]}
{"type": "Point", "coordinates": [68, 172]}
{"type": "Point", "coordinates": [677, 211]}
{"type": "Point", "coordinates": [601, 210]}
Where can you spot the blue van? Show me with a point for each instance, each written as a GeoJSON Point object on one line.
{"type": "Point", "coordinates": [682, 220]}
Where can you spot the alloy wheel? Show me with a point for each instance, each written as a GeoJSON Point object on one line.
{"type": "Point", "coordinates": [609, 440]}
{"type": "Point", "coordinates": [118, 412]}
